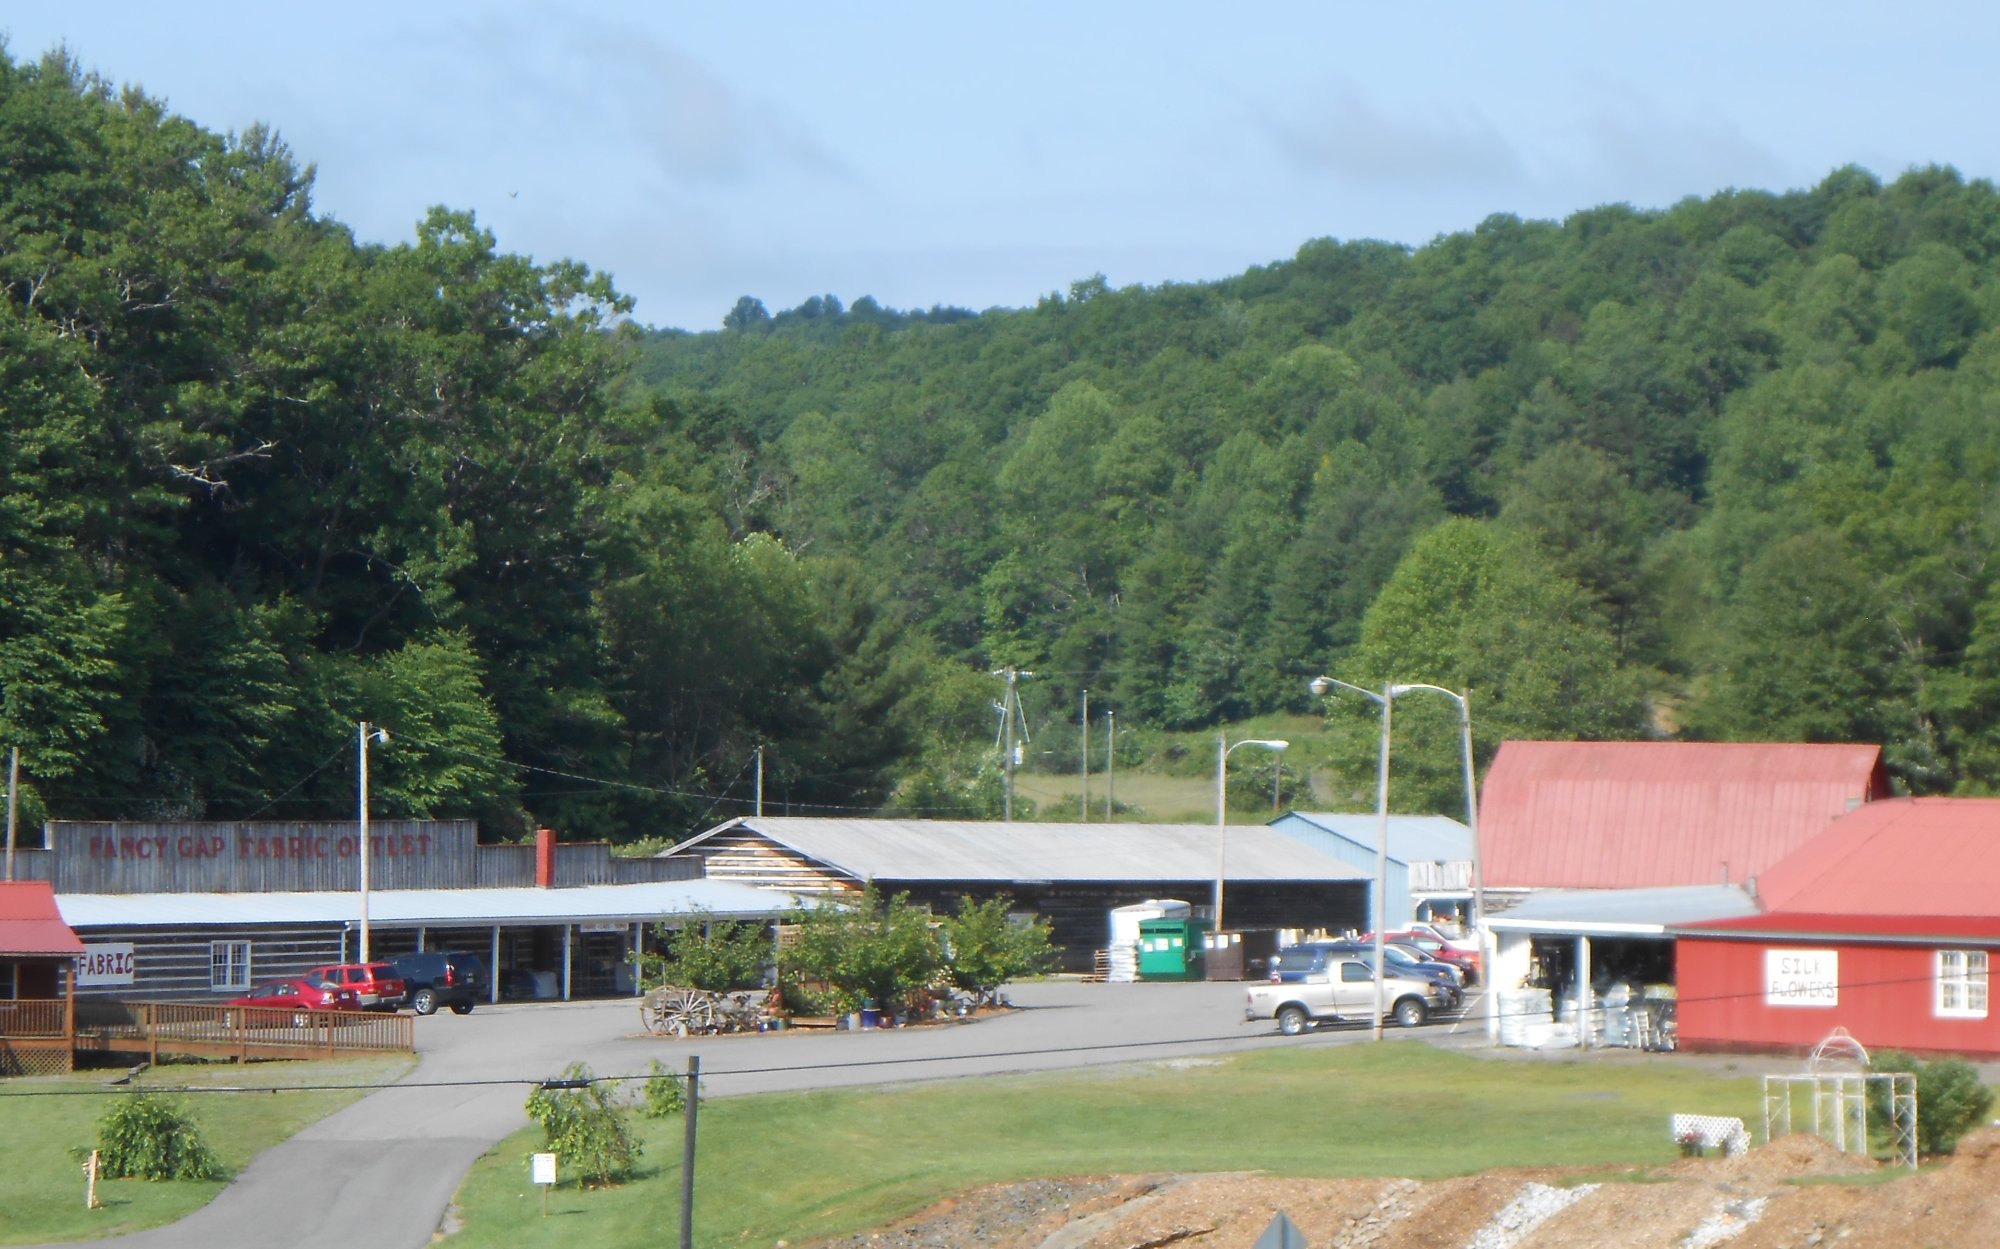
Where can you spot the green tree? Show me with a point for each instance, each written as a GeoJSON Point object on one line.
{"type": "Point", "coordinates": [699, 951]}
{"type": "Point", "coordinates": [1475, 607]}
{"type": "Point", "coordinates": [867, 948]}
{"type": "Point", "coordinates": [585, 1128]}
{"type": "Point", "coordinates": [985, 946]}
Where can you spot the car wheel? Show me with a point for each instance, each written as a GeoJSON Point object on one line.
{"type": "Point", "coordinates": [461, 1007]}
{"type": "Point", "coordinates": [1410, 1012]}
{"type": "Point", "coordinates": [424, 1001]}
{"type": "Point", "coordinates": [1293, 1020]}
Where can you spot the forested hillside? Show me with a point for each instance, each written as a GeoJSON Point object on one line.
{"type": "Point", "coordinates": [1722, 471]}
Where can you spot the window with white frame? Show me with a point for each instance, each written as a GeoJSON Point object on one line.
{"type": "Point", "coordinates": [229, 965]}
{"type": "Point", "coordinates": [1961, 983]}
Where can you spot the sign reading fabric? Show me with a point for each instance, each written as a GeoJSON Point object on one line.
{"type": "Point", "coordinates": [110, 963]}
{"type": "Point", "coordinates": [1802, 977]}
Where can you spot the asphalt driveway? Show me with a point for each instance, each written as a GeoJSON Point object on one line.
{"type": "Point", "coordinates": [382, 1172]}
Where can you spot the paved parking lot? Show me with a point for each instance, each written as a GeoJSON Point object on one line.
{"type": "Point", "coordinates": [382, 1171]}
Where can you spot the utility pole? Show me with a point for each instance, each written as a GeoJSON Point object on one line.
{"type": "Point", "coordinates": [361, 803]}
{"type": "Point", "coordinates": [1110, 762]}
{"type": "Point", "coordinates": [1083, 803]}
{"type": "Point", "coordinates": [1011, 718]}
{"type": "Point", "coordinates": [759, 808]}
{"type": "Point", "coordinates": [13, 789]}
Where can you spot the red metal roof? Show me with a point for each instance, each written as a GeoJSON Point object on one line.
{"type": "Point", "coordinates": [30, 924]}
{"type": "Point", "coordinates": [1792, 925]}
{"type": "Point", "coordinates": [1622, 815]}
{"type": "Point", "coordinates": [1906, 856]}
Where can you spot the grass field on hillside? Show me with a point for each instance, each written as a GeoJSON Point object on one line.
{"type": "Point", "coordinates": [802, 1166]}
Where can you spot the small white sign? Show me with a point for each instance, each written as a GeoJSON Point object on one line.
{"type": "Point", "coordinates": [1802, 977]}
{"type": "Point", "coordinates": [110, 963]}
{"type": "Point", "coordinates": [543, 1168]}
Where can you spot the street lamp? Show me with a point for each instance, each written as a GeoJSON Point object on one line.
{"type": "Point", "coordinates": [1387, 701]}
{"type": "Point", "coordinates": [1323, 685]}
{"type": "Point", "coordinates": [367, 735]}
{"type": "Point", "coordinates": [1222, 749]}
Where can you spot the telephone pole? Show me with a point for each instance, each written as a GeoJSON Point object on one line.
{"type": "Point", "coordinates": [1011, 718]}
{"type": "Point", "coordinates": [1083, 737]}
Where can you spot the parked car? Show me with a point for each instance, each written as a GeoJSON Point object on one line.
{"type": "Point", "coordinates": [1410, 953]}
{"type": "Point", "coordinates": [1466, 958]}
{"type": "Point", "coordinates": [1294, 964]}
{"type": "Point", "coordinates": [376, 985]}
{"type": "Point", "coordinates": [431, 979]}
{"type": "Point", "coordinates": [1343, 989]}
{"type": "Point", "coordinates": [300, 995]}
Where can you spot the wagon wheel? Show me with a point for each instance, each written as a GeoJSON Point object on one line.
{"type": "Point", "coordinates": [665, 1011]}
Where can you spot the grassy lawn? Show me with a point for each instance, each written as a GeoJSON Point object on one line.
{"type": "Point", "coordinates": [42, 1187]}
{"type": "Point", "coordinates": [799, 1166]}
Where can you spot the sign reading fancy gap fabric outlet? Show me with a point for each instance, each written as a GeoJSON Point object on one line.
{"type": "Point", "coordinates": [262, 857]}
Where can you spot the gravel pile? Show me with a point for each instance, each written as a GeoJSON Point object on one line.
{"type": "Point", "coordinates": [1534, 1205]}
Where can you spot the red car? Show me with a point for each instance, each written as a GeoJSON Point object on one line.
{"type": "Point", "coordinates": [376, 986]}
{"type": "Point", "coordinates": [299, 996]}
{"type": "Point", "coordinates": [1457, 955]}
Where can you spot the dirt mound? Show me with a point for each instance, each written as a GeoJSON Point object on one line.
{"type": "Point", "coordinates": [1780, 1196]}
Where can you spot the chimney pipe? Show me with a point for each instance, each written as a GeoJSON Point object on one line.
{"type": "Point", "coordinates": [545, 858]}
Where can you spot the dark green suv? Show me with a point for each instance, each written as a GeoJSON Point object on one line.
{"type": "Point", "coordinates": [432, 979]}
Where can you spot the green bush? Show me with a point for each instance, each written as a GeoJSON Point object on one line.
{"type": "Point", "coordinates": [665, 1092]}
{"type": "Point", "coordinates": [868, 951]}
{"type": "Point", "coordinates": [584, 1128]}
{"type": "Point", "coordinates": [701, 952]}
{"type": "Point", "coordinates": [985, 947]}
{"type": "Point", "coordinates": [152, 1138]}
{"type": "Point", "coordinates": [1951, 1101]}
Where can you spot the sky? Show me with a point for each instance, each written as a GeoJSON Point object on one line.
{"type": "Point", "coordinates": [986, 155]}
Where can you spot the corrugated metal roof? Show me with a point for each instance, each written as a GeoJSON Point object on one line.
{"type": "Point", "coordinates": [1609, 815]}
{"type": "Point", "coordinates": [31, 926]}
{"type": "Point", "coordinates": [1903, 856]}
{"type": "Point", "coordinates": [1014, 853]}
{"type": "Point", "coordinates": [410, 907]}
{"type": "Point", "coordinates": [1570, 910]}
{"type": "Point", "coordinates": [1800, 925]}
{"type": "Point", "coordinates": [1412, 838]}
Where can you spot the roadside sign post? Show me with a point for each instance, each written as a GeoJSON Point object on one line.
{"type": "Point", "coordinates": [90, 1182]}
{"type": "Point", "coordinates": [542, 1169]}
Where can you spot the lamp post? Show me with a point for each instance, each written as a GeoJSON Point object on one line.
{"type": "Point", "coordinates": [361, 801]}
{"type": "Point", "coordinates": [1387, 701]}
{"type": "Point", "coordinates": [1222, 749]}
{"type": "Point", "coordinates": [1322, 685]}
{"type": "Point", "coordinates": [1472, 825]}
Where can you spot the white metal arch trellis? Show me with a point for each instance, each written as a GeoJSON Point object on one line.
{"type": "Point", "coordinates": [1838, 1080]}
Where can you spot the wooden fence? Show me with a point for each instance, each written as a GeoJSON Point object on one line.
{"type": "Point", "coordinates": [34, 1036]}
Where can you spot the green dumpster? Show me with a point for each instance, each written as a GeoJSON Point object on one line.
{"type": "Point", "coordinates": [1170, 949]}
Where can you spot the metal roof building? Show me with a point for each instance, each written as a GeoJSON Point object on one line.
{"type": "Point", "coordinates": [1886, 924]}
{"type": "Point", "coordinates": [1071, 874]}
{"type": "Point", "coordinates": [1615, 815]}
{"type": "Point", "coordinates": [1905, 856]}
{"type": "Point", "coordinates": [1429, 857]}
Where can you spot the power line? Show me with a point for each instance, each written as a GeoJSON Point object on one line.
{"type": "Point", "coordinates": [857, 1064]}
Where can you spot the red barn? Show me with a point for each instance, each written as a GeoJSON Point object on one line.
{"type": "Point", "coordinates": [1885, 924]}
{"type": "Point", "coordinates": [1648, 815]}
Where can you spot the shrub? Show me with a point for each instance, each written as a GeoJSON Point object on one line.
{"type": "Point", "coordinates": [665, 1093]}
{"type": "Point", "coordinates": [985, 947]}
{"type": "Point", "coordinates": [710, 954]}
{"type": "Point", "coordinates": [152, 1138]}
{"type": "Point", "coordinates": [866, 951]}
{"type": "Point", "coordinates": [584, 1127]}
{"type": "Point", "coordinates": [1951, 1101]}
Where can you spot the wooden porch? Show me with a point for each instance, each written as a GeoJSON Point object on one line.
{"type": "Point", "coordinates": [45, 1036]}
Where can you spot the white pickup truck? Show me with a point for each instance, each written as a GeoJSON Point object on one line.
{"type": "Point", "coordinates": [1344, 989]}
